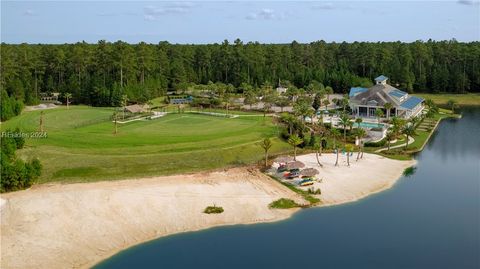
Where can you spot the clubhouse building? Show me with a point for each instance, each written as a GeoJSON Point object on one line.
{"type": "Point", "coordinates": [364, 101]}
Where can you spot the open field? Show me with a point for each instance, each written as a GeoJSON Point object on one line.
{"type": "Point", "coordinates": [81, 145]}
{"type": "Point", "coordinates": [468, 99]}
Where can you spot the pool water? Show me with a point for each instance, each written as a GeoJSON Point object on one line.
{"type": "Point", "coordinates": [370, 125]}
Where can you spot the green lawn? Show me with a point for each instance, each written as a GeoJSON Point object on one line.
{"type": "Point", "coordinates": [468, 99]}
{"type": "Point", "coordinates": [81, 146]}
{"type": "Point", "coordinates": [223, 111]}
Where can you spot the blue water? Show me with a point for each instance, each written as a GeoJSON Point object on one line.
{"type": "Point", "coordinates": [369, 125]}
{"type": "Point", "coordinates": [428, 220]}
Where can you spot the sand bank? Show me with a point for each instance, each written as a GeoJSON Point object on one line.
{"type": "Point", "coordinates": [342, 184]}
{"type": "Point", "coordinates": [78, 225]}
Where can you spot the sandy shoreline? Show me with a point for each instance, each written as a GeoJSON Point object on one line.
{"type": "Point", "coordinates": [78, 225]}
{"type": "Point", "coordinates": [343, 184]}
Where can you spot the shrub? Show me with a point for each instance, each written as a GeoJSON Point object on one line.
{"type": "Point", "coordinates": [15, 173]}
{"type": "Point", "coordinates": [409, 171]}
{"type": "Point", "coordinates": [380, 143]}
{"type": "Point", "coordinates": [283, 203]}
{"type": "Point", "coordinates": [34, 168]}
{"type": "Point", "coordinates": [324, 143]}
{"type": "Point", "coordinates": [284, 134]}
{"type": "Point", "coordinates": [313, 140]}
{"type": "Point", "coordinates": [312, 190]}
{"type": "Point", "coordinates": [213, 210]}
{"type": "Point", "coordinates": [19, 139]}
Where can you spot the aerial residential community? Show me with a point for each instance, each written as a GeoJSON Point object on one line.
{"type": "Point", "coordinates": [336, 147]}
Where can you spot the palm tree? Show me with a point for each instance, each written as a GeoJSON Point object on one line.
{"type": "Point", "coordinates": [361, 133]}
{"type": "Point", "coordinates": [358, 121]}
{"type": "Point", "coordinates": [326, 103]}
{"type": "Point", "coordinates": [388, 107]}
{"type": "Point", "coordinates": [409, 131]}
{"type": "Point", "coordinates": [124, 103]}
{"type": "Point", "coordinates": [430, 115]}
{"type": "Point", "coordinates": [344, 121]}
{"type": "Point", "coordinates": [452, 104]}
{"type": "Point", "coordinates": [115, 117]}
{"type": "Point", "coordinates": [390, 136]}
{"type": "Point", "coordinates": [302, 109]}
{"type": "Point", "coordinates": [414, 121]}
{"type": "Point", "coordinates": [348, 149]}
{"type": "Point", "coordinates": [68, 96]}
{"type": "Point", "coordinates": [321, 131]}
{"type": "Point", "coordinates": [335, 133]}
{"type": "Point", "coordinates": [397, 125]}
{"type": "Point", "coordinates": [434, 108]}
{"type": "Point", "coordinates": [335, 101]}
{"type": "Point", "coordinates": [317, 100]}
{"type": "Point", "coordinates": [318, 151]}
{"type": "Point", "coordinates": [345, 102]}
{"type": "Point", "coordinates": [282, 102]}
{"type": "Point", "coordinates": [350, 125]}
{"type": "Point", "coordinates": [378, 114]}
{"type": "Point", "coordinates": [226, 100]}
{"type": "Point", "coordinates": [328, 90]}
{"type": "Point", "coordinates": [294, 141]}
{"type": "Point", "coordinates": [266, 144]}
{"type": "Point", "coordinates": [289, 119]}
{"type": "Point", "coordinates": [250, 99]}
{"type": "Point", "coordinates": [429, 103]}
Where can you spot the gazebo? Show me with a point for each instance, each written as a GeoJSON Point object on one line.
{"type": "Point", "coordinates": [309, 172]}
{"type": "Point", "coordinates": [283, 159]}
{"type": "Point", "coordinates": [295, 165]}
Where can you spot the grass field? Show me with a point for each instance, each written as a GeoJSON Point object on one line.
{"type": "Point", "coordinates": [81, 145]}
{"type": "Point", "coordinates": [468, 99]}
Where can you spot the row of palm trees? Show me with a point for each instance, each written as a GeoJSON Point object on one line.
{"type": "Point", "coordinates": [398, 127]}
{"type": "Point", "coordinates": [320, 131]}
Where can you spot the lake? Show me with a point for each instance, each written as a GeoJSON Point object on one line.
{"type": "Point", "coordinates": [428, 220]}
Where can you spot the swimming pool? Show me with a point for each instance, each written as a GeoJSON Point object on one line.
{"type": "Point", "coordinates": [370, 125]}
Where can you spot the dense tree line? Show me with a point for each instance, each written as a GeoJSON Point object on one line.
{"type": "Point", "coordinates": [10, 106]}
{"type": "Point", "coordinates": [99, 74]}
{"type": "Point", "coordinates": [16, 174]}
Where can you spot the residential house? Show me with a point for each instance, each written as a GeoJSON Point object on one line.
{"type": "Point", "coordinates": [365, 101]}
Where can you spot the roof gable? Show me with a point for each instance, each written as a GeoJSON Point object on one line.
{"type": "Point", "coordinates": [411, 102]}
{"type": "Point", "coordinates": [397, 93]}
{"type": "Point", "coordinates": [381, 78]}
{"type": "Point", "coordinates": [356, 90]}
{"type": "Point", "coordinates": [134, 108]}
{"type": "Point", "coordinates": [379, 93]}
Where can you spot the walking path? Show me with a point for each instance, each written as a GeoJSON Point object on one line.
{"type": "Point", "coordinates": [410, 141]}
